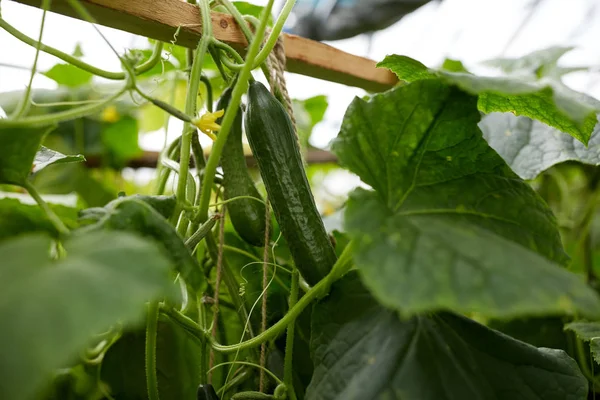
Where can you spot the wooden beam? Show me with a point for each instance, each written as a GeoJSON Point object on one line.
{"type": "Point", "coordinates": [149, 159]}
{"type": "Point", "coordinates": [159, 19]}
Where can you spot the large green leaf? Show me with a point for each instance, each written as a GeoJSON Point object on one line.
{"type": "Point", "coordinates": [178, 360]}
{"type": "Point", "coordinates": [539, 332]}
{"type": "Point", "coordinates": [68, 75]}
{"type": "Point", "coordinates": [449, 225]}
{"type": "Point", "coordinates": [530, 147]}
{"type": "Point", "coordinates": [50, 309]}
{"type": "Point", "coordinates": [121, 140]}
{"type": "Point", "coordinates": [17, 218]}
{"type": "Point", "coordinates": [590, 332]}
{"type": "Point", "coordinates": [137, 214]}
{"type": "Point", "coordinates": [18, 147]}
{"type": "Point", "coordinates": [548, 101]}
{"type": "Point", "coordinates": [365, 351]}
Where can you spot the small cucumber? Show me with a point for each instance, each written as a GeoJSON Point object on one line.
{"type": "Point", "coordinates": [247, 215]}
{"type": "Point", "coordinates": [274, 145]}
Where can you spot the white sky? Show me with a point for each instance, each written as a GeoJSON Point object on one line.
{"type": "Point", "coordinates": [469, 30]}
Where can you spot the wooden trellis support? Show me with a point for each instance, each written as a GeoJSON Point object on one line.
{"type": "Point", "coordinates": [159, 19]}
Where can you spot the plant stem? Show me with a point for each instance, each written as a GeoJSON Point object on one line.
{"type": "Point", "coordinates": [144, 67]}
{"type": "Point", "coordinates": [343, 265]}
{"type": "Point", "coordinates": [275, 32]}
{"type": "Point", "coordinates": [268, 46]}
{"type": "Point", "coordinates": [232, 285]}
{"type": "Point", "coordinates": [239, 89]}
{"type": "Point", "coordinates": [58, 224]}
{"type": "Point", "coordinates": [67, 115]}
{"type": "Point", "coordinates": [239, 19]}
{"type": "Point", "coordinates": [203, 320]}
{"type": "Point", "coordinates": [190, 109]}
{"type": "Point", "coordinates": [235, 381]}
{"type": "Point", "coordinates": [150, 358]}
{"type": "Point", "coordinates": [24, 105]}
{"type": "Point", "coordinates": [288, 371]}
{"type": "Point", "coordinates": [163, 174]}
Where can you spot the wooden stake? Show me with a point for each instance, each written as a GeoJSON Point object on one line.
{"type": "Point", "coordinates": [159, 19]}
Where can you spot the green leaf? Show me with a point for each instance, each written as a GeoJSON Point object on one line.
{"type": "Point", "coordinates": [548, 101]}
{"type": "Point", "coordinates": [589, 332]}
{"type": "Point", "coordinates": [453, 66]}
{"type": "Point", "coordinates": [68, 75]}
{"type": "Point", "coordinates": [45, 157]}
{"type": "Point", "coordinates": [54, 307]}
{"type": "Point", "coordinates": [538, 64]}
{"type": "Point", "coordinates": [246, 8]}
{"type": "Point", "coordinates": [121, 140]}
{"type": "Point", "coordinates": [136, 214]}
{"type": "Point", "coordinates": [17, 218]}
{"type": "Point", "coordinates": [78, 51]}
{"type": "Point", "coordinates": [407, 69]}
{"type": "Point", "coordinates": [449, 225]}
{"type": "Point", "coordinates": [530, 147]}
{"type": "Point", "coordinates": [365, 351]}
{"type": "Point", "coordinates": [178, 360]}
{"type": "Point", "coordinates": [539, 332]}
{"type": "Point", "coordinates": [309, 113]}
{"type": "Point", "coordinates": [18, 147]}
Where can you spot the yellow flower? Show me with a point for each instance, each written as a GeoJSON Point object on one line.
{"type": "Point", "coordinates": [110, 114]}
{"type": "Point", "coordinates": [207, 123]}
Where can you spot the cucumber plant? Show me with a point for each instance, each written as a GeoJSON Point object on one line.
{"type": "Point", "coordinates": [465, 267]}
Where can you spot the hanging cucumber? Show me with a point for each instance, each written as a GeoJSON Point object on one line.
{"type": "Point", "coordinates": [274, 145]}
{"type": "Point", "coordinates": [247, 215]}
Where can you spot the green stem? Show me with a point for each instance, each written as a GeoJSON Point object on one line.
{"type": "Point", "coordinates": [214, 53]}
{"type": "Point", "coordinates": [144, 67]}
{"type": "Point", "coordinates": [229, 50]}
{"type": "Point", "coordinates": [165, 107]}
{"type": "Point", "coordinates": [249, 364]}
{"type": "Point", "coordinates": [343, 265]}
{"type": "Point", "coordinates": [163, 174]}
{"type": "Point", "coordinates": [203, 320]}
{"type": "Point", "coordinates": [239, 89]}
{"type": "Point", "coordinates": [239, 19]}
{"type": "Point", "coordinates": [220, 203]}
{"type": "Point", "coordinates": [233, 287]}
{"type": "Point", "coordinates": [288, 371]}
{"type": "Point", "coordinates": [275, 32]}
{"type": "Point", "coordinates": [150, 358]}
{"type": "Point", "coordinates": [58, 224]}
{"type": "Point", "coordinates": [235, 381]}
{"type": "Point", "coordinates": [242, 252]}
{"type": "Point", "coordinates": [67, 115]}
{"type": "Point", "coordinates": [209, 92]}
{"type": "Point", "coordinates": [269, 44]}
{"type": "Point", "coordinates": [190, 109]}
{"type": "Point", "coordinates": [24, 105]}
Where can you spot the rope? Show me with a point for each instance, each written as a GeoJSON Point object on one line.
{"type": "Point", "coordinates": [265, 282]}
{"type": "Point", "coordinates": [277, 62]}
{"type": "Point", "coordinates": [215, 320]}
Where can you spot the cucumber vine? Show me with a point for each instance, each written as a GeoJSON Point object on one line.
{"type": "Point", "coordinates": [450, 276]}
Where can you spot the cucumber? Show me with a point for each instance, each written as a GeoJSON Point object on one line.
{"type": "Point", "coordinates": [274, 145]}
{"type": "Point", "coordinates": [247, 215]}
